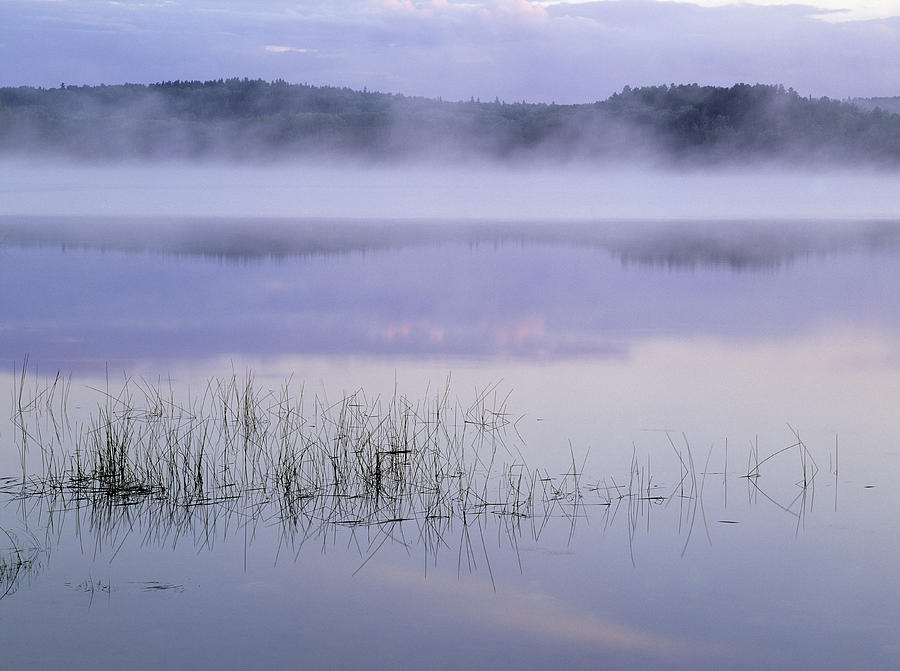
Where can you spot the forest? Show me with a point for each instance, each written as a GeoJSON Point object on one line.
{"type": "Point", "coordinates": [255, 120]}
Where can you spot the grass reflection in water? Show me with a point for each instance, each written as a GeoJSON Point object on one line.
{"type": "Point", "coordinates": [147, 458]}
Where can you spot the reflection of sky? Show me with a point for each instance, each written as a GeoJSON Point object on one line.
{"type": "Point", "coordinates": [599, 353]}
{"type": "Point", "coordinates": [677, 336]}
{"type": "Point", "coordinates": [652, 330]}
{"type": "Point", "coordinates": [250, 596]}
{"type": "Point", "coordinates": [532, 299]}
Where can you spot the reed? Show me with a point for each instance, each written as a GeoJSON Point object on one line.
{"type": "Point", "coordinates": [239, 454]}
{"type": "Point", "coordinates": [19, 560]}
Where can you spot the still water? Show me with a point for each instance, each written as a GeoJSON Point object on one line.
{"type": "Point", "coordinates": [673, 359]}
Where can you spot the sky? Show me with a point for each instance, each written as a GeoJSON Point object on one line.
{"type": "Point", "coordinates": [455, 49]}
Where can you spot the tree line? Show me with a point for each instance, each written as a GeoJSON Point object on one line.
{"type": "Point", "coordinates": [260, 120]}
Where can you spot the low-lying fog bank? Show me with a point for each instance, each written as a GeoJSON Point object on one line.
{"type": "Point", "coordinates": [418, 191]}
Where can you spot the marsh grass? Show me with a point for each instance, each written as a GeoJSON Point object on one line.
{"type": "Point", "coordinates": [355, 462]}
{"type": "Point", "coordinates": [431, 472]}
{"type": "Point", "coordinates": [20, 560]}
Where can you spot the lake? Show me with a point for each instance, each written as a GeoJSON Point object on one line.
{"type": "Point", "coordinates": [444, 444]}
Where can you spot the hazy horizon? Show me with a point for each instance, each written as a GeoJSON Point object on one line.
{"type": "Point", "coordinates": [512, 50]}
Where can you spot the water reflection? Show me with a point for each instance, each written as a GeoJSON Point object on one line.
{"type": "Point", "coordinates": [429, 475]}
{"type": "Point", "coordinates": [735, 244]}
{"type": "Point", "coordinates": [22, 558]}
{"type": "Point", "coordinates": [486, 565]}
{"type": "Point", "coordinates": [656, 367]}
{"type": "Point", "coordinates": [94, 291]}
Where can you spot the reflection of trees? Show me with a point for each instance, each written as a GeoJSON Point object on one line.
{"type": "Point", "coordinates": [738, 245]}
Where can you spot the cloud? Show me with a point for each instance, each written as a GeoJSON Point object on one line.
{"type": "Point", "coordinates": [547, 618]}
{"type": "Point", "coordinates": [828, 10]}
{"type": "Point", "coordinates": [511, 49]}
{"type": "Point", "coordinates": [276, 49]}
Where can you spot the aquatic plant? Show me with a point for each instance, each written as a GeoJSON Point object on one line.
{"type": "Point", "coordinates": [18, 561]}
{"type": "Point", "coordinates": [177, 465]}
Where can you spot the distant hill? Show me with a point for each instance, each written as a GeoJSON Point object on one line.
{"type": "Point", "coordinates": [241, 119]}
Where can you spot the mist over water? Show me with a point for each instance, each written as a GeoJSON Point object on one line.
{"type": "Point", "coordinates": [416, 191]}
{"type": "Point", "coordinates": [620, 307]}
{"type": "Point", "coordinates": [309, 375]}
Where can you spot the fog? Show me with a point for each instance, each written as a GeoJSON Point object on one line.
{"type": "Point", "coordinates": [242, 147]}
{"type": "Point", "coordinates": [426, 192]}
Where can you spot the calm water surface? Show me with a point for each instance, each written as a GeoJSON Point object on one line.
{"type": "Point", "coordinates": [619, 347]}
